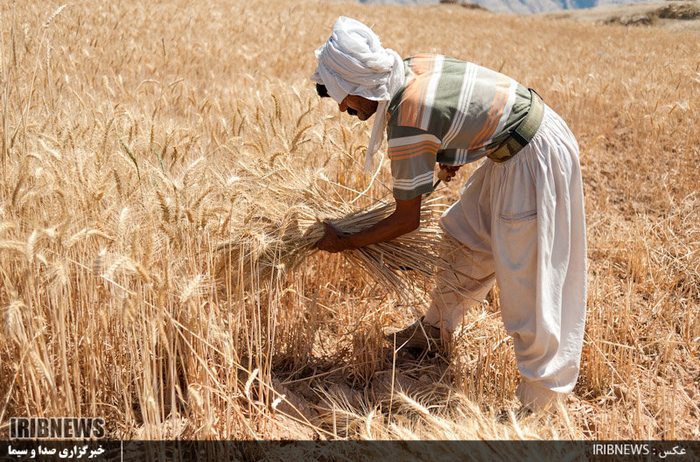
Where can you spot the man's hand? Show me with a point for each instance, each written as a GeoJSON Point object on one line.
{"type": "Point", "coordinates": [447, 172]}
{"type": "Point", "coordinates": [334, 240]}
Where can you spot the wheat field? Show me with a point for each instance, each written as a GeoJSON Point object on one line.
{"type": "Point", "coordinates": [156, 156]}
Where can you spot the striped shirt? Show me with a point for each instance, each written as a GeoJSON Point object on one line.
{"type": "Point", "coordinates": [448, 111]}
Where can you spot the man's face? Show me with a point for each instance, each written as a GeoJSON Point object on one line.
{"type": "Point", "coordinates": [358, 106]}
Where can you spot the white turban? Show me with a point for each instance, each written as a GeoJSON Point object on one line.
{"type": "Point", "coordinates": [353, 62]}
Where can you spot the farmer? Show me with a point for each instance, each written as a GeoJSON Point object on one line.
{"type": "Point", "coordinates": [520, 218]}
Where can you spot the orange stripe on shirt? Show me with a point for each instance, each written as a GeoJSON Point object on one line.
{"type": "Point", "coordinates": [413, 99]}
{"type": "Point", "coordinates": [494, 117]}
{"type": "Point", "coordinates": [421, 63]}
{"type": "Point", "coordinates": [499, 102]}
{"type": "Point", "coordinates": [413, 150]}
{"type": "Point", "coordinates": [406, 147]}
{"type": "Point", "coordinates": [425, 84]}
{"type": "Point", "coordinates": [398, 150]}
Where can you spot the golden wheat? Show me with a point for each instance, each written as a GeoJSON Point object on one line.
{"type": "Point", "coordinates": [140, 139]}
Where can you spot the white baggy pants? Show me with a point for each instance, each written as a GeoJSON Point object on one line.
{"type": "Point", "coordinates": [521, 223]}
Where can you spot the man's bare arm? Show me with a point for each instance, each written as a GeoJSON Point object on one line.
{"type": "Point", "coordinates": [404, 219]}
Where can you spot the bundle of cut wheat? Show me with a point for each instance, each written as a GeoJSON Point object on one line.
{"type": "Point", "coordinates": [271, 248]}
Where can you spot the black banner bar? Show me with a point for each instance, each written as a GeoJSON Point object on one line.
{"type": "Point", "coordinates": [303, 451]}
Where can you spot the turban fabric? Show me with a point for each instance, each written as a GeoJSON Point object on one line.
{"type": "Point", "coordinates": [353, 62]}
